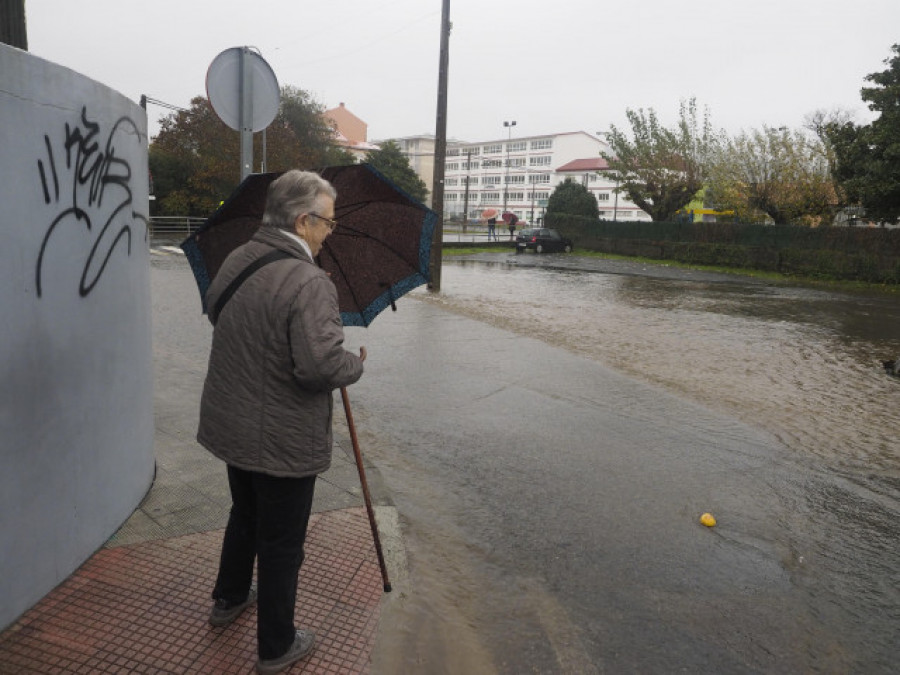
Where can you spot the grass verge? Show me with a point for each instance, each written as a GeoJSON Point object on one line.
{"type": "Point", "coordinates": [774, 277]}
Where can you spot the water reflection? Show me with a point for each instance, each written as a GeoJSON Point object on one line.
{"type": "Point", "coordinates": [802, 364]}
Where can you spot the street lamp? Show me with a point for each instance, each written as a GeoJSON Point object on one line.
{"type": "Point", "coordinates": [509, 126]}
{"type": "Point", "coordinates": [533, 184]}
{"type": "Point", "coordinates": [616, 203]}
{"type": "Point", "coordinates": [606, 135]}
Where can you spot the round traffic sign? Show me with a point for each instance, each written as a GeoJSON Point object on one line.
{"type": "Point", "coordinates": [223, 87]}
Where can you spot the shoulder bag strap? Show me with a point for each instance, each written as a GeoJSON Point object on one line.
{"type": "Point", "coordinates": [235, 284]}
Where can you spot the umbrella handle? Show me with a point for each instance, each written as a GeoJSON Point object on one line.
{"type": "Point", "coordinates": [365, 489]}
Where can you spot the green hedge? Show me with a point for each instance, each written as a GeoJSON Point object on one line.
{"type": "Point", "coordinates": [853, 253]}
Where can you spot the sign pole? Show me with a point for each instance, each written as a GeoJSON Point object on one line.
{"type": "Point", "coordinates": [246, 123]}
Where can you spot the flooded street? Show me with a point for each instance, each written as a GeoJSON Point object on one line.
{"type": "Point", "coordinates": [804, 364]}
{"type": "Point", "coordinates": [682, 390]}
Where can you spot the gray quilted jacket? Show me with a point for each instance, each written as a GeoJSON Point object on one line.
{"type": "Point", "coordinates": [277, 355]}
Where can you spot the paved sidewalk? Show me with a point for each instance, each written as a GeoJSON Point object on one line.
{"type": "Point", "coordinates": [142, 607]}
{"type": "Point", "coordinates": [140, 604]}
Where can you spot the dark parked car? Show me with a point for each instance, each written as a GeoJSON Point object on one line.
{"type": "Point", "coordinates": [542, 240]}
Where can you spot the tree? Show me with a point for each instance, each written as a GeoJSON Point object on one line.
{"type": "Point", "coordinates": [573, 199]}
{"type": "Point", "coordinates": [390, 161]}
{"type": "Point", "coordinates": [312, 130]}
{"type": "Point", "coordinates": [782, 174]}
{"type": "Point", "coordinates": [661, 169]}
{"type": "Point", "coordinates": [195, 158]}
{"type": "Point", "coordinates": [868, 156]}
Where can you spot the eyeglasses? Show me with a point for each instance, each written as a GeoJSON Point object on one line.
{"type": "Point", "coordinates": [328, 221]}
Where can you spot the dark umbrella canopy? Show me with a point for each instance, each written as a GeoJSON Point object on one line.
{"type": "Point", "coordinates": [380, 249]}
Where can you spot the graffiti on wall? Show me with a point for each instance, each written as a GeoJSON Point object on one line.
{"type": "Point", "coordinates": [87, 182]}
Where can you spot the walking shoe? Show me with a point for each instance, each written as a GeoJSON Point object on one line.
{"type": "Point", "coordinates": [223, 614]}
{"type": "Point", "coordinates": [303, 644]}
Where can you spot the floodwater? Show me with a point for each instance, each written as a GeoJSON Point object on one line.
{"type": "Point", "coordinates": [800, 364]}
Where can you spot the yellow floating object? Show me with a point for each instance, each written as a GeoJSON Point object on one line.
{"type": "Point", "coordinates": [708, 520]}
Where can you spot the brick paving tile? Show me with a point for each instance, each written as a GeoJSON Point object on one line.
{"type": "Point", "coordinates": [143, 608]}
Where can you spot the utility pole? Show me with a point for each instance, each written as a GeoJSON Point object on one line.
{"type": "Point", "coordinates": [13, 30]}
{"type": "Point", "coordinates": [466, 197]}
{"type": "Point", "coordinates": [440, 151]}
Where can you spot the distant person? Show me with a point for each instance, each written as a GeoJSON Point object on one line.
{"type": "Point", "coordinates": [512, 226]}
{"type": "Point", "coordinates": [277, 354]}
{"type": "Point", "coordinates": [492, 229]}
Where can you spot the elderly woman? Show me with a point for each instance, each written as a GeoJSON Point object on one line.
{"type": "Point", "coordinates": [277, 355]}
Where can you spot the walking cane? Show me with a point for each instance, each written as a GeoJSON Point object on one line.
{"type": "Point", "coordinates": [365, 489]}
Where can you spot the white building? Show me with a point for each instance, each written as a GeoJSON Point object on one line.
{"type": "Point", "coordinates": [518, 175]}
{"type": "Point", "coordinates": [419, 150]}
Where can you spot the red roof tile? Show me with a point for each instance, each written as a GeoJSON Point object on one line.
{"type": "Point", "coordinates": [590, 164]}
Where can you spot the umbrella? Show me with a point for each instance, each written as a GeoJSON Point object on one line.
{"type": "Point", "coordinates": [380, 251]}
{"type": "Point", "coordinates": [507, 216]}
{"type": "Point", "coordinates": [490, 213]}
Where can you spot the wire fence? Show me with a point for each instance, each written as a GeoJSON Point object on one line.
{"type": "Point", "coordinates": [859, 253]}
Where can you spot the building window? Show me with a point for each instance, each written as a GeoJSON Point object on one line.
{"type": "Point", "coordinates": [517, 161]}
{"type": "Point", "coordinates": [453, 152]}
{"type": "Point", "coordinates": [516, 196]}
{"type": "Point", "coordinates": [473, 180]}
{"type": "Point", "coordinates": [603, 197]}
{"type": "Point", "coordinates": [491, 180]}
{"type": "Point", "coordinates": [539, 178]}
{"type": "Point", "coordinates": [453, 166]}
{"type": "Point", "coordinates": [516, 146]}
{"type": "Point", "coordinates": [450, 181]}
{"type": "Point", "coordinates": [515, 179]}
{"type": "Point", "coordinates": [450, 197]}
{"type": "Point", "coordinates": [490, 196]}
{"type": "Point", "coordinates": [542, 144]}
{"type": "Point", "coordinates": [493, 149]}
{"type": "Point", "coordinates": [468, 165]}
{"type": "Point", "coordinates": [472, 151]}
{"type": "Point", "coordinates": [544, 160]}
{"type": "Point", "coordinates": [538, 195]}
{"type": "Point", "coordinates": [491, 164]}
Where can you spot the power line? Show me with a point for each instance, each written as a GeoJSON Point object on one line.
{"type": "Point", "coordinates": [162, 104]}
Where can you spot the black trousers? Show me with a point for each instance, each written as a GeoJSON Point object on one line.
{"type": "Point", "coordinates": [268, 522]}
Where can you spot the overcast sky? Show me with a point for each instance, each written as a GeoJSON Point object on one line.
{"type": "Point", "coordinates": [553, 66]}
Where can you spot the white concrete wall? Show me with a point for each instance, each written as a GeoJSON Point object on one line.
{"type": "Point", "coordinates": [76, 418]}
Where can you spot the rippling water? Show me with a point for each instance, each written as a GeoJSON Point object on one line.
{"type": "Point", "coordinates": [803, 364]}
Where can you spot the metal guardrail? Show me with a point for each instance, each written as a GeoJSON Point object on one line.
{"type": "Point", "coordinates": [476, 234]}
{"type": "Point", "coordinates": [173, 229]}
